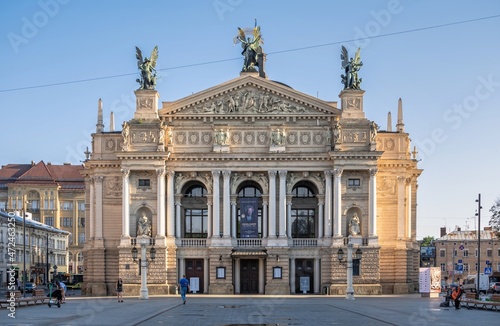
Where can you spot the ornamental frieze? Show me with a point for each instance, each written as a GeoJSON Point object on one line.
{"type": "Point", "coordinates": [248, 101]}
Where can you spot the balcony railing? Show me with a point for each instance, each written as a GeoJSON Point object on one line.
{"type": "Point", "coordinates": [193, 242]}
{"type": "Point", "coordinates": [249, 242]}
{"type": "Point", "coordinates": [305, 242]}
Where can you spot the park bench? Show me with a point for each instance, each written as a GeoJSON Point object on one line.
{"type": "Point", "coordinates": [470, 301]}
{"type": "Point", "coordinates": [38, 297]}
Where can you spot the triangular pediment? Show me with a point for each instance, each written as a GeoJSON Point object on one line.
{"type": "Point", "coordinates": [249, 95]}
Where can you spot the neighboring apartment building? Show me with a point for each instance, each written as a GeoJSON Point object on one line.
{"type": "Point", "coordinates": [54, 195]}
{"type": "Point", "coordinates": [306, 167]}
{"type": "Point", "coordinates": [457, 253]}
{"type": "Point", "coordinates": [41, 241]}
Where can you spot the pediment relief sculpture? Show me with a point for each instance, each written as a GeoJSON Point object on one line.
{"type": "Point", "coordinates": [248, 101]}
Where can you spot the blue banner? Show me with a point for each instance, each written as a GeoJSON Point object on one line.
{"type": "Point", "coordinates": [249, 218]}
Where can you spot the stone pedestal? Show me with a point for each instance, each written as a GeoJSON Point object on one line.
{"type": "Point", "coordinates": [146, 104]}
{"type": "Point", "coordinates": [352, 104]}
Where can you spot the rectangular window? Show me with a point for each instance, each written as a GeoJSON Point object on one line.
{"type": "Point", "coordinates": [455, 252]}
{"type": "Point", "coordinates": [466, 267]}
{"type": "Point", "coordinates": [303, 223]}
{"type": "Point", "coordinates": [81, 206]}
{"type": "Point", "coordinates": [443, 267]}
{"type": "Point", "coordinates": [67, 221]}
{"type": "Point", "coordinates": [82, 221]}
{"type": "Point", "coordinates": [466, 252]}
{"type": "Point", "coordinates": [475, 267]}
{"type": "Point", "coordinates": [442, 253]}
{"type": "Point", "coordinates": [196, 223]}
{"type": "Point", "coordinates": [475, 252]}
{"type": "Point", "coordinates": [144, 183]}
{"type": "Point", "coordinates": [81, 238]}
{"type": "Point", "coordinates": [489, 252]}
{"type": "Point", "coordinates": [67, 205]}
{"type": "Point", "coordinates": [498, 253]}
{"type": "Point", "coordinates": [49, 220]}
{"type": "Point", "coordinates": [498, 267]}
{"type": "Point", "coordinates": [353, 182]}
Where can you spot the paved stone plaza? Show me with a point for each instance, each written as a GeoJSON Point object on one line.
{"type": "Point", "coordinates": [251, 310]}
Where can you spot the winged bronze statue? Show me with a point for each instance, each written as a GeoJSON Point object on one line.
{"type": "Point", "coordinates": [147, 68]}
{"type": "Point", "coordinates": [251, 46]}
{"type": "Point", "coordinates": [351, 67]}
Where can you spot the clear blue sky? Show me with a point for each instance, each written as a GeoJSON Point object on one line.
{"type": "Point", "coordinates": [447, 74]}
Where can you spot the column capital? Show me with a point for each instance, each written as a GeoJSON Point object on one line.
{"type": "Point", "coordinates": [226, 174]}
{"type": "Point", "coordinates": [215, 174]}
{"type": "Point", "coordinates": [328, 173]}
{"type": "Point", "coordinates": [338, 172]}
{"type": "Point", "coordinates": [170, 174]}
{"type": "Point", "coordinates": [401, 179]}
{"type": "Point", "coordinates": [272, 173]}
{"type": "Point", "coordinates": [282, 173]}
{"type": "Point", "coordinates": [125, 172]}
{"type": "Point", "coordinates": [373, 172]}
{"type": "Point", "coordinates": [98, 179]}
{"type": "Point", "coordinates": [160, 172]}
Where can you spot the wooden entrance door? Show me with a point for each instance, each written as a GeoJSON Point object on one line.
{"type": "Point", "coordinates": [249, 274]}
{"type": "Point", "coordinates": [194, 268]}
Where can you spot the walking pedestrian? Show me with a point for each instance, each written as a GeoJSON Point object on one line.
{"type": "Point", "coordinates": [119, 290]}
{"type": "Point", "coordinates": [183, 288]}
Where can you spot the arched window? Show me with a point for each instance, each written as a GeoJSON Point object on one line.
{"type": "Point", "coordinates": [249, 212]}
{"type": "Point", "coordinates": [195, 222]}
{"type": "Point", "coordinates": [304, 203]}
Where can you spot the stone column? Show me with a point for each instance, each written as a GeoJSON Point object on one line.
{"type": "Point", "coordinates": [408, 208]}
{"type": "Point", "coordinates": [161, 202]}
{"type": "Point", "coordinates": [265, 216]}
{"type": "Point", "coordinates": [178, 224]}
{"type": "Point", "coordinates": [209, 217]}
{"type": "Point", "coordinates": [226, 202]}
{"type": "Point", "coordinates": [282, 204]}
{"type": "Point", "coordinates": [234, 198]}
{"type": "Point", "coordinates": [337, 202]}
{"type": "Point", "coordinates": [317, 276]}
{"type": "Point", "coordinates": [98, 210]}
{"type": "Point", "coordinates": [206, 275]}
{"type": "Point", "coordinates": [261, 275]}
{"type": "Point", "coordinates": [92, 208]}
{"type": "Point", "coordinates": [292, 275]}
{"type": "Point", "coordinates": [321, 204]}
{"type": "Point", "coordinates": [327, 220]}
{"type": "Point", "coordinates": [237, 276]}
{"type": "Point", "coordinates": [401, 191]}
{"type": "Point", "coordinates": [125, 203]}
{"type": "Point", "coordinates": [216, 203]}
{"type": "Point", "coordinates": [373, 202]}
{"type": "Point", "coordinates": [170, 204]}
{"type": "Point", "coordinates": [289, 216]}
{"type": "Point", "coordinates": [272, 203]}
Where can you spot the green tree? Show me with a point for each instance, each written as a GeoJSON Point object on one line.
{"type": "Point", "coordinates": [427, 241]}
{"type": "Point", "coordinates": [495, 217]}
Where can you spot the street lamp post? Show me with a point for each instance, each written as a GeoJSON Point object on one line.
{"type": "Point", "coordinates": [349, 292]}
{"type": "Point", "coordinates": [478, 277]}
{"type": "Point", "coordinates": [24, 248]}
{"type": "Point", "coordinates": [144, 241]}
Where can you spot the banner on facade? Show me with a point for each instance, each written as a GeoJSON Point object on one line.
{"type": "Point", "coordinates": [249, 222]}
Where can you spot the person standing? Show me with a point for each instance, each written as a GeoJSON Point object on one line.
{"type": "Point", "coordinates": [184, 288]}
{"type": "Point", "coordinates": [63, 288]}
{"type": "Point", "coordinates": [119, 290]}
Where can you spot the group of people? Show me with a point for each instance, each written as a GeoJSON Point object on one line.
{"type": "Point", "coordinates": [183, 289]}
